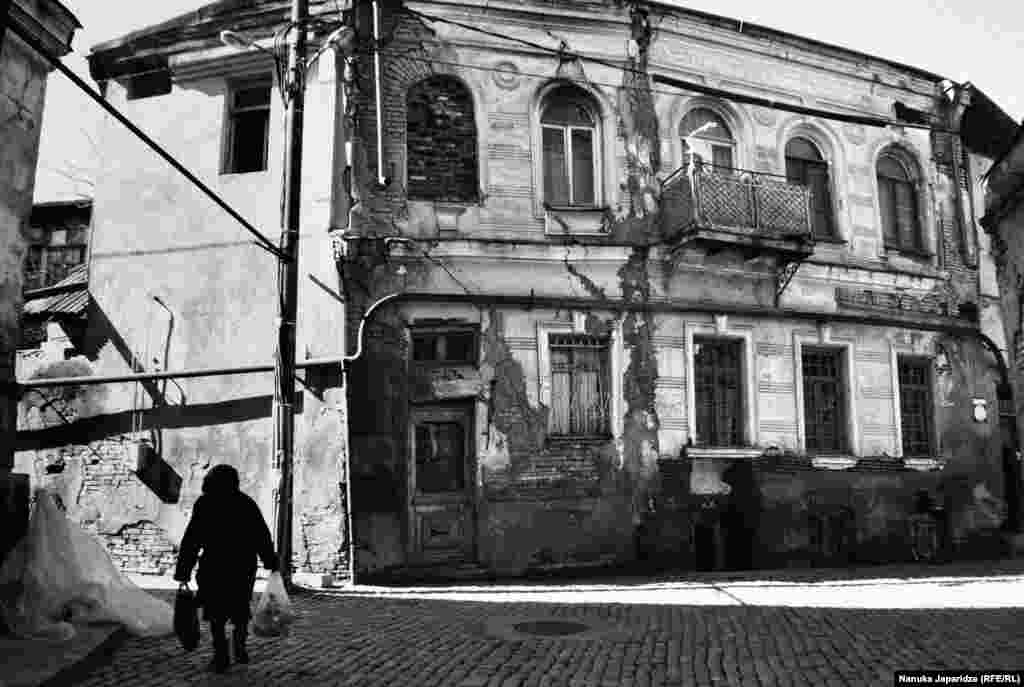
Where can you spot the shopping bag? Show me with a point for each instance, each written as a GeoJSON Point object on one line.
{"type": "Point", "coordinates": [273, 615]}
{"type": "Point", "coordinates": [186, 618]}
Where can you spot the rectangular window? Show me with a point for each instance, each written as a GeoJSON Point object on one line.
{"type": "Point", "coordinates": [580, 385]}
{"type": "Point", "coordinates": [448, 347]}
{"type": "Point", "coordinates": [569, 172]}
{"type": "Point", "coordinates": [916, 406]}
{"type": "Point", "coordinates": [824, 400]}
{"type": "Point", "coordinates": [718, 389]}
{"type": "Point", "coordinates": [248, 128]}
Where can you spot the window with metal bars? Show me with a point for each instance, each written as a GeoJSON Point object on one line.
{"type": "Point", "coordinates": [915, 406]}
{"type": "Point", "coordinates": [824, 400]}
{"type": "Point", "coordinates": [580, 386]}
{"type": "Point", "coordinates": [718, 391]}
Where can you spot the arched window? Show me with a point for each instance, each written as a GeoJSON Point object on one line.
{"type": "Point", "coordinates": [806, 166]}
{"type": "Point", "coordinates": [897, 200]}
{"type": "Point", "coordinates": [570, 139]}
{"type": "Point", "coordinates": [711, 130]}
{"type": "Point", "coordinates": [440, 139]}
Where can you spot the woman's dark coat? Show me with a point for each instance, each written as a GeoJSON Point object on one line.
{"type": "Point", "coordinates": [228, 529]}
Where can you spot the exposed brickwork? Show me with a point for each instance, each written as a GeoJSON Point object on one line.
{"type": "Point", "coordinates": [440, 141]}
{"type": "Point", "coordinates": [141, 548]}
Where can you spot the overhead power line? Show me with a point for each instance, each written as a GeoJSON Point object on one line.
{"type": "Point", "coordinates": [261, 240]}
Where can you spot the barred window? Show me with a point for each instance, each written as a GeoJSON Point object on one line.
{"type": "Point", "coordinates": [718, 390]}
{"type": "Point", "coordinates": [580, 385]}
{"type": "Point", "coordinates": [824, 400]}
{"type": "Point", "coordinates": [915, 406]}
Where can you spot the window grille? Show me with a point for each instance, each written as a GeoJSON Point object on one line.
{"type": "Point", "coordinates": [915, 406]}
{"type": "Point", "coordinates": [248, 128]}
{"type": "Point", "coordinates": [580, 385]}
{"type": "Point", "coordinates": [718, 390]}
{"type": "Point", "coordinates": [824, 411]}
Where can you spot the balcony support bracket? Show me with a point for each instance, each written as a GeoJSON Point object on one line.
{"type": "Point", "coordinates": [784, 274]}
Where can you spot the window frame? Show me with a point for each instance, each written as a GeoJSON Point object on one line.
{"type": "Point", "coordinates": [822, 337]}
{"type": "Point", "coordinates": [841, 399]}
{"type": "Point", "coordinates": [601, 344]}
{"type": "Point", "coordinates": [924, 362]}
{"type": "Point", "coordinates": [739, 409]}
{"type": "Point", "coordinates": [831, 217]}
{"type": "Point", "coordinates": [713, 141]}
{"type": "Point", "coordinates": [234, 86]}
{"type": "Point", "coordinates": [615, 365]}
{"type": "Point", "coordinates": [441, 331]}
{"type": "Point", "coordinates": [919, 241]}
{"type": "Point", "coordinates": [722, 327]}
{"type": "Point", "coordinates": [588, 100]}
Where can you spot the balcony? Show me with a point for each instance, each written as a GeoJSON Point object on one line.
{"type": "Point", "coordinates": [732, 207]}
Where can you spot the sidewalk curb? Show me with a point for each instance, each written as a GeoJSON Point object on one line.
{"type": "Point", "coordinates": [74, 673]}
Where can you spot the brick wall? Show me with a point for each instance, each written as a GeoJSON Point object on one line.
{"type": "Point", "coordinates": [441, 146]}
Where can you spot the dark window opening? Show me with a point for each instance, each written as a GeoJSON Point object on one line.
{"type": "Point", "coordinates": [441, 141]}
{"type": "Point", "coordinates": [569, 140]}
{"type": "Point", "coordinates": [718, 388]}
{"type": "Point", "coordinates": [248, 128]}
{"type": "Point", "coordinates": [824, 400]}
{"type": "Point", "coordinates": [440, 456]}
{"type": "Point", "coordinates": [805, 166]}
{"type": "Point", "coordinates": [451, 347]}
{"type": "Point", "coordinates": [580, 386]}
{"type": "Point", "coordinates": [897, 200]}
{"type": "Point", "coordinates": [916, 406]}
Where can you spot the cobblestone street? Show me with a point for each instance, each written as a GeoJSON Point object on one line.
{"type": "Point", "coordinates": [629, 634]}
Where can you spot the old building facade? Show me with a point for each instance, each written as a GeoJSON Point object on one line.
{"type": "Point", "coordinates": [596, 318]}
{"type": "Point", "coordinates": [23, 86]}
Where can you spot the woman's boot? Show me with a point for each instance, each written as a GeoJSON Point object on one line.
{"type": "Point", "coordinates": [221, 659]}
{"type": "Point", "coordinates": [241, 655]}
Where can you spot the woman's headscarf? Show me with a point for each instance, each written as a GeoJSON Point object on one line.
{"type": "Point", "coordinates": [221, 480]}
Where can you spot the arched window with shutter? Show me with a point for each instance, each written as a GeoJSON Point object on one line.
{"type": "Point", "coordinates": [897, 203]}
{"type": "Point", "coordinates": [441, 141]}
{"type": "Point", "coordinates": [570, 138]}
{"type": "Point", "coordinates": [806, 166]}
{"type": "Point", "coordinates": [711, 131]}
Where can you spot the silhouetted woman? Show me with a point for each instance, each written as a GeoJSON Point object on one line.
{"type": "Point", "coordinates": [228, 528]}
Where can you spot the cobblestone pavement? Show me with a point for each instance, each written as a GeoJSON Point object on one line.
{"type": "Point", "coordinates": [377, 637]}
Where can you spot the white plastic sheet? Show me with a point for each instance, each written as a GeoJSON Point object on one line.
{"type": "Point", "coordinates": [59, 575]}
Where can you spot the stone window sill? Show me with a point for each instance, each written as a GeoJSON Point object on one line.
{"type": "Point", "coordinates": [575, 221]}
{"type": "Point", "coordinates": [924, 464]}
{"type": "Point", "coordinates": [722, 452]}
{"type": "Point", "coordinates": [834, 462]}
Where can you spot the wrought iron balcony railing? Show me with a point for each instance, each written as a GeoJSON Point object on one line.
{"type": "Point", "coordinates": [741, 201]}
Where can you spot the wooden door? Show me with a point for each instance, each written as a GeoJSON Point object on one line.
{"type": "Point", "coordinates": [441, 485]}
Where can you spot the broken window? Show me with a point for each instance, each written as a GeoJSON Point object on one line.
{"type": "Point", "coordinates": [569, 134]}
{"type": "Point", "coordinates": [718, 389]}
{"type": "Point", "coordinates": [824, 400]}
{"type": "Point", "coordinates": [711, 130]}
{"type": "Point", "coordinates": [248, 127]}
{"type": "Point", "coordinates": [806, 166]}
{"type": "Point", "coordinates": [441, 141]}
{"type": "Point", "coordinates": [580, 385]}
{"type": "Point", "coordinates": [897, 201]}
{"type": "Point", "coordinates": [915, 406]}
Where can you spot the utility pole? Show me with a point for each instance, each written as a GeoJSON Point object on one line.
{"type": "Point", "coordinates": [288, 285]}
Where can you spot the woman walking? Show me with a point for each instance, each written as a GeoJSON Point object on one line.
{"type": "Point", "coordinates": [228, 529]}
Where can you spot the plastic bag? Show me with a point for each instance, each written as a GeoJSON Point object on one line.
{"type": "Point", "coordinates": [186, 618]}
{"type": "Point", "coordinates": [63, 574]}
{"type": "Point", "coordinates": [273, 615]}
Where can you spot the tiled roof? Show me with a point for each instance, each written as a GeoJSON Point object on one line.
{"type": "Point", "coordinates": [71, 302]}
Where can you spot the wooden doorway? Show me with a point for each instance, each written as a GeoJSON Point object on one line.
{"type": "Point", "coordinates": [442, 508]}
